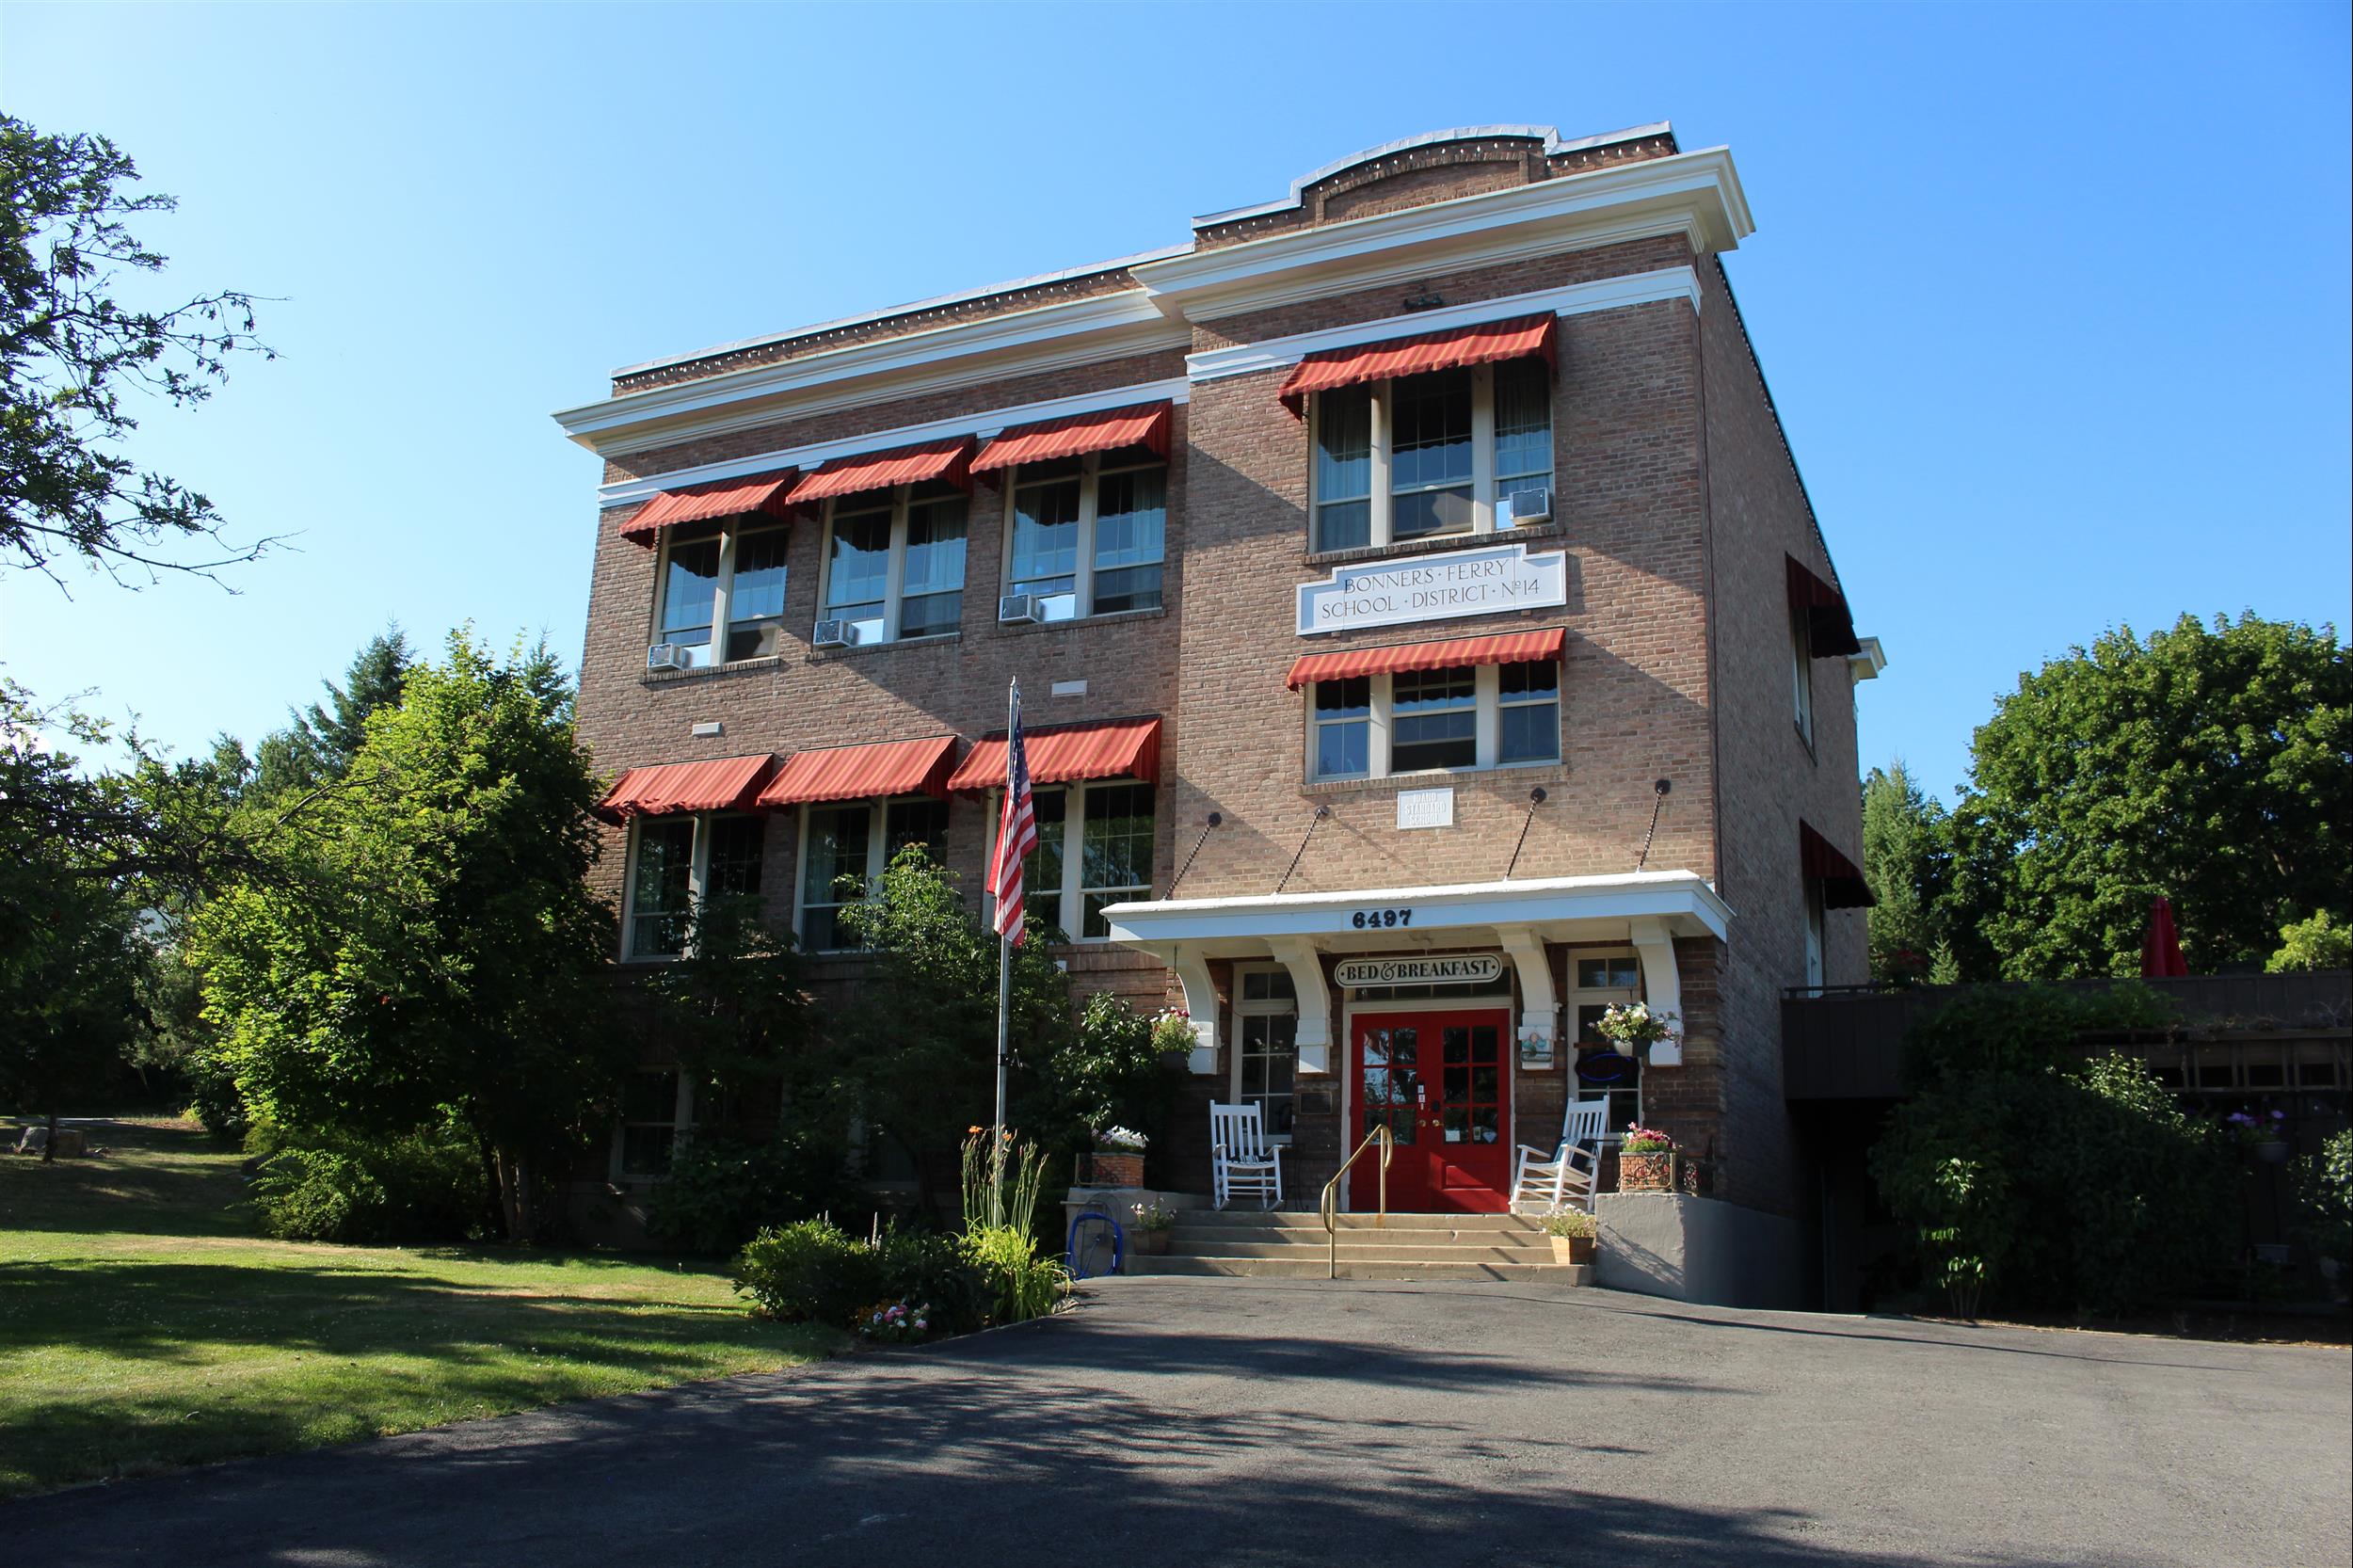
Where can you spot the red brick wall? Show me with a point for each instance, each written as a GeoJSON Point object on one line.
{"type": "Point", "coordinates": [1769, 778]}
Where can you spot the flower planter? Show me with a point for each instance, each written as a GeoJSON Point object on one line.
{"type": "Point", "coordinates": [1149, 1244]}
{"type": "Point", "coordinates": [1572, 1249]}
{"type": "Point", "coordinates": [1118, 1170]}
{"type": "Point", "coordinates": [1646, 1172]}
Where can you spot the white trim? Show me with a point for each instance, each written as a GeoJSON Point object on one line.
{"type": "Point", "coordinates": [1601, 907]}
{"type": "Point", "coordinates": [1314, 1039]}
{"type": "Point", "coordinates": [1696, 195]}
{"type": "Point", "coordinates": [1867, 663]}
{"type": "Point", "coordinates": [1020, 343]}
{"type": "Point", "coordinates": [1662, 984]}
{"type": "Point", "coordinates": [1549, 135]}
{"type": "Point", "coordinates": [1193, 973]}
{"type": "Point", "coordinates": [632, 492]}
{"type": "Point", "coordinates": [1538, 1006]}
{"type": "Point", "coordinates": [1606, 293]}
{"type": "Point", "coordinates": [937, 301]}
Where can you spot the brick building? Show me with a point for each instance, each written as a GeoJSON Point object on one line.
{"type": "Point", "coordinates": [1412, 567]}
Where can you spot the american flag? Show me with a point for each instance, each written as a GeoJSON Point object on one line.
{"type": "Point", "coordinates": [1016, 832]}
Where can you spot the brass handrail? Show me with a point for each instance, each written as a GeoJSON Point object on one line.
{"type": "Point", "coordinates": [1328, 1207]}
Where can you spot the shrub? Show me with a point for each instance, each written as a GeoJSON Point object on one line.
{"type": "Point", "coordinates": [937, 1272]}
{"type": "Point", "coordinates": [722, 1187]}
{"type": "Point", "coordinates": [1022, 1284]}
{"type": "Point", "coordinates": [2325, 1182]}
{"type": "Point", "coordinates": [810, 1272]}
{"type": "Point", "coordinates": [2084, 1190]}
{"type": "Point", "coordinates": [422, 1187]}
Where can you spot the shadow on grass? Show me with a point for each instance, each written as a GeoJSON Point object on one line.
{"type": "Point", "coordinates": [156, 1178]}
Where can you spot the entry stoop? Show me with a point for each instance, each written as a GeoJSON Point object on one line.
{"type": "Point", "coordinates": [1278, 1245]}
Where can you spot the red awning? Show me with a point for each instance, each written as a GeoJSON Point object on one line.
{"type": "Point", "coordinates": [724, 498]}
{"type": "Point", "coordinates": [950, 460]}
{"type": "Point", "coordinates": [1511, 648]}
{"type": "Point", "coordinates": [726, 785]}
{"type": "Point", "coordinates": [1074, 436]}
{"type": "Point", "coordinates": [1064, 753]}
{"type": "Point", "coordinates": [1843, 886]}
{"type": "Point", "coordinates": [1483, 345]}
{"type": "Point", "coordinates": [1829, 628]}
{"type": "Point", "coordinates": [864, 773]}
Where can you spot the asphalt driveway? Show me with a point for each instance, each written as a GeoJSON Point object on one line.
{"type": "Point", "coordinates": [1203, 1421]}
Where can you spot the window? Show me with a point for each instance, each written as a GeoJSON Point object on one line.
{"type": "Point", "coordinates": [1814, 942]}
{"type": "Point", "coordinates": [843, 851]}
{"type": "Point", "coordinates": [656, 1106]}
{"type": "Point", "coordinates": [895, 562]}
{"type": "Point", "coordinates": [1802, 672]}
{"type": "Point", "coordinates": [725, 580]}
{"type": "Point", "coordinates": [1266, 1058]}
{"type": "Point", "coordinates": [1602, 1072]}
{"type": "Point", "coordinates": [1113, 828]}
{"type": "Point", "coordinates": [1424, 456]}
{"type": "Point", "coordinates": [1088, 536]}
{"type": "Point", "coordinates": [677, 861]}
{"type": "Point", "coordinates": [1446, 720]}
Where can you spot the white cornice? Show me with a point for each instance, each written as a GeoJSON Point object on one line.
{"type": "Point", "coordinates": [1695, 195]}
{"type": "Point", "coordinates": [1606, 294]}
{"type": "Point", "coordinates": [1046, 337]}
{"type": "Point", "coordinates": [631, 492]}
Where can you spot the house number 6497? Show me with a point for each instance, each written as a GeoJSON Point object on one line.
{"type": "Point", "coordinates": [1368, 919]}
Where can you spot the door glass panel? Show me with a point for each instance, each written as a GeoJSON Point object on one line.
{"type": "Point", "coordinates": [1483, 1047]}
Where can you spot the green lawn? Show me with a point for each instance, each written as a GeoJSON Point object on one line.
{"type": "Point", "coordinates": [145, 1324]}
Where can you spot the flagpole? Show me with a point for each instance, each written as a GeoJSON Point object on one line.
{"type": "Point", "coordinates": [1004, 1001]}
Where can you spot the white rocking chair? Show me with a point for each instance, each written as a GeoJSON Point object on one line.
{"type": "Point", "coordinates": [1241, 1158]}
{"type": "Point", "coordinates": [1548, 1180]}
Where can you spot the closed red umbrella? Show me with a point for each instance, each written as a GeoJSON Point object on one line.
{"type": "Point", "coordinates": [2161, 948]}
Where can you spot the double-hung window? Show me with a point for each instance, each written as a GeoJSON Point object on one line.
{"type": "Point", "coordinates": [1093, 850]}
{"type": "Point", "coordinates": [1603, 1072]}
{"type": "Point", "coordinates": [1452, 720]}
{"type": "Point", "coordinates": [895, 562]}
{"type": "Point", "coordinates": [845, 847]}
{"type": "Point", "coordinates": [722, 592]}
{"type": "Point", "coordinates": [677, 862]}
{"type": "Point", "coordinates": [657, 1110]}
{"type": "Point", "coordinates": [1424, 456]}
{"type": "Point", "coordinates": [1266, 1046]}
{"type": "Point", "coordinates": [1088, 536]}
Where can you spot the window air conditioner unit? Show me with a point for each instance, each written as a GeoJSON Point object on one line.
{"type": "Point", "coordinates": [669, 656]}
{"type": "Point", "coordinates": [1533, 504]}
{"type": "Point", "coordinates": [1018, 610]}
{"type": "Point", "coordinates": [836, 633]}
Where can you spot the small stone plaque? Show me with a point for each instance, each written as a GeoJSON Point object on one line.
{"type": "Point", "coordinates": [1425, 807]}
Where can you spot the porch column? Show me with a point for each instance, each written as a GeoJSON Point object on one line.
{"type": "Point", "coordinates": [1193, 973]}
{"type": "Point", "coordinates": [1662, 983]}
{"type": "Point", "coordinates": [1298, 955]}
{"type": "Point", "coordinates": [1538, 1006]}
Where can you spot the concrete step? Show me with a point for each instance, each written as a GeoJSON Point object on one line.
{"type": "Point", "coordinates": [1215, 1238]}
{"type": "Point", "coordinates": [1362, 1251]}
{"type": "Point", "coordinates": [1317, 1268]}
{"type": "Point", "coordinates": [1283, 1220]}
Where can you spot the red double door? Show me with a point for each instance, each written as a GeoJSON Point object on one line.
{"type": "Point", "coordinates": [1440, 1082]}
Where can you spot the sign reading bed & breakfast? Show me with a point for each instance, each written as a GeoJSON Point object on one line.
{"type": "Point", "coordinates": [1434, 588]}
{"type": "Point", "coordinates": [1477, 968]}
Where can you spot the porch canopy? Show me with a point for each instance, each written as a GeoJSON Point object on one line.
{"type": "Point", "coordinates": [761, 495]}
{"type": "Point", "coordinates": [1647, 910]}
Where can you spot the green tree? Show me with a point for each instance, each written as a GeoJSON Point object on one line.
{"type": "Point", "coordinates": [2322, 942]}
{"type": "Point", "coordinates": [2214, 765]}
{"type": "Point", "coordinates": [433, 954]}
{"type": "Point", "coordinates": [71, 350]}
{"type": "Point", "coordinates": [318, 746]}
{"type": "Point", "coordinates": [1906, 860]}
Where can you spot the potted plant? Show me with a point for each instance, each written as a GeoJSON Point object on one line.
{"type": "Point", "coordinates": [2262, 1135]}
{"type": "Point", "coordinates": [1573, 1232]}
{"type": "Point", "coordinates": [1646, 1161]}
{"type": "Point", "coordinates": [1150, 1228]}
{"type": "Point", "coordinates": [1633, 1027]}
{"type": "Point", "coordinates": [1119, 1157]}
{"type": "Point", "coordinates": [1172, 1031]}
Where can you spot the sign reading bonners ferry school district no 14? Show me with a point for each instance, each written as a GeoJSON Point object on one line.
{"type": "Point", "coordinates": [1434, 588]}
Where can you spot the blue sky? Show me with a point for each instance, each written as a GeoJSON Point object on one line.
{"type": "Point", "coordinates": [2053, 301]}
